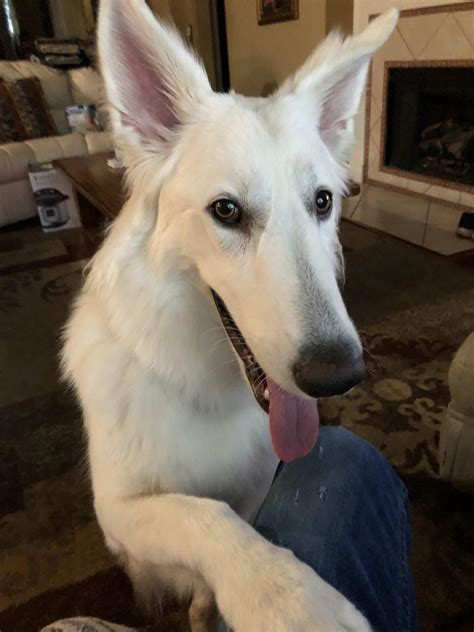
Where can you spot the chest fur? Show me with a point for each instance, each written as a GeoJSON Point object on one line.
{"type": "Point", "coordinates": [161, 444]}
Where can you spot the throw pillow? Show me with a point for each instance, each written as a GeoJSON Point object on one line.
{"type": "Point", "coordinates": [11, 127]}
{"type": "Point", "coordinates": [27, 94]}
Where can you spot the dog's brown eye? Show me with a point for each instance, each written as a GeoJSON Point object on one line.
{"type": "Point", "coordinates": [226, 211]}
{"type": "Point", "coordinates": [323, 202]}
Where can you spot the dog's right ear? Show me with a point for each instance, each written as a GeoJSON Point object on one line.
{"type": "Point", "coordinates": [154, 83]}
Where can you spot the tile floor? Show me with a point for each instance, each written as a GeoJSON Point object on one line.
{"type": "Point", "coordinates": [428, 223]}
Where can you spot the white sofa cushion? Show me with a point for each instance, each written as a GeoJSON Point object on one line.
{"type": "Point", "coordinates": [16, 202]}
{"type": "Point", "coordinates": [55, 84]}
{"type": "Point", "coordinates": [16, 157]}
{"type": "Point", "coordinates": [98, 142]}
{"type": "Point", "coordinates": [87, 88]}
{"type": "Point", "coordinates": [14, 161]}
{"type": "Point", "coordinates": [16, 198]}
{"type": "Point", "coordinates": [54, 147]}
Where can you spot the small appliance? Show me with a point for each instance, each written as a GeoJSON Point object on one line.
{"type": "Point", "coordinates": [52, 207]}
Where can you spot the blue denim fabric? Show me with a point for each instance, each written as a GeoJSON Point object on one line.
{"type": "Point", "coordinates": [344, 511]}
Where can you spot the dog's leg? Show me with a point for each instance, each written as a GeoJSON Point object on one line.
{"type": "Point", "coordinates": [257, 585]}
{"type": "Point", "coordinates": [147, 587]}
{"type": "Point", "coordinates": [154, 584]}
{"type": "Point", "coordinates": [202, 611]}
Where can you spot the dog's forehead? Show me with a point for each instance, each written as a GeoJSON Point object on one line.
{"type": "Point", "coordinates": [293, 124]}
{"type": "Point", "coordinates": [282, 127]}
{"type": "Point", "coordinates": [262, 136]}
{"type": "Point", "coordinates": [257, 151]}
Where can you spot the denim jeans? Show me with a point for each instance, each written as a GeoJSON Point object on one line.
{"type": "Point", "coordinates": [344, 511]}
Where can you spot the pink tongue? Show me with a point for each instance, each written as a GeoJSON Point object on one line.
{"type": "Point", "coordinates": [294, 423]}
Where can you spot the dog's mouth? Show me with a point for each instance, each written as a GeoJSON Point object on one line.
{"type": "Point", "coordinates": [255, 374]}
{"type": "Point", "coordinates": [294, 421]}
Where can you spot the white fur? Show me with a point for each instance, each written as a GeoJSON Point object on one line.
{"type": "Point", "coordinates": [180, 452]}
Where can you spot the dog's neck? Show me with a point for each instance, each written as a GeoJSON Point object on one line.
{"type": "Point", "coordinates": [165, 317]}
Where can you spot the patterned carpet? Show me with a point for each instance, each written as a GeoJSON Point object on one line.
{"type": "Point", "coordinates": [414, 309]}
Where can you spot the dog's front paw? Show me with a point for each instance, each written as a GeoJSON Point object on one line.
{"type": "Point", "coordinates": [278, 593]}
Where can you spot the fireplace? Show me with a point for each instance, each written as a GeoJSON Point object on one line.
{"type": "Point", "coordinates": [414, 148]}
{"type": "Point", "coordinates": [428, 127]}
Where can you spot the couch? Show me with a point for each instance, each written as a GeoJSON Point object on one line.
{"type": "Point", "coordinates": [61, 88]}
{"type": "Point", "coordinates": [456, 443]}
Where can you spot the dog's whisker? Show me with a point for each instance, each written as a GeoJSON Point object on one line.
{"type": "Point", "coordinates": [219, 328]}
{"type": "Point", "coordinates": [260, 381]}
{"type": "Point", "coordinates": [221, 365]}
{"type": "Point", "coordinates": [218, 342]}
{"type": "Point", "coordinates": [371, 371]}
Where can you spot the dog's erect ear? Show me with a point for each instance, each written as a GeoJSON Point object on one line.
{"type": "Point", "coordinates": [332, 80]}
{"type": "Point", "coordinates": [153, 81]}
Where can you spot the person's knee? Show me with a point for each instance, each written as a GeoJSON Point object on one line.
{"type": "Point", "coordinates": [354, 458]}
{"type": "Point", "coordinates": [341, 467]}
{"type": "Point", "coordinates": [347, 444]}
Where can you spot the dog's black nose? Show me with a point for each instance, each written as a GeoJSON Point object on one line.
{"type": "Point", "coordinates": [329, 369]}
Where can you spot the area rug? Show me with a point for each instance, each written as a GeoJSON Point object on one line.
{"type": "Point", "coordinates": [46, 249]}
{"type": "Point", "coordinates": [413, 308]}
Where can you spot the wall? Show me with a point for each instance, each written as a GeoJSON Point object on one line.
{"type": "Point", "coordinates": [339, 15]}
{"type": "Point", "coordinates": [262, 56]}
{"type": "Point", "coordinates": [68, 18]}
{"type": "Point", "coordinates": [197, 14]}
{"type": "Point", "coordinates": [33, 19]}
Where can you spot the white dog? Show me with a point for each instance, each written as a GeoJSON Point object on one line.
{"type": "Point", "coordinates": [228, 243]}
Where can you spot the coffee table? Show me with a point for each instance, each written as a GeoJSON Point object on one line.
{"type": "Point", "coordinates": [99, 189]}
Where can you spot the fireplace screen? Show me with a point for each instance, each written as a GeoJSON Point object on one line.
{"type": "Point", "coordinates": [430, 121]}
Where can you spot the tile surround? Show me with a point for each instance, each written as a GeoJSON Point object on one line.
{"type": "Point", "coordinates": [443, 35]}
{"type": "Point", "coordinates": [394, 203]}
{"type": "Point", "coordinates": [467, 26]}
{"type": "Point", "coordinates": [449, 41]}
{"type": "Point", "coordinates": [418, 30]}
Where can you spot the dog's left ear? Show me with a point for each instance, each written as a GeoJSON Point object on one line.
{"type": "Point", "coordinates": [332, 80]}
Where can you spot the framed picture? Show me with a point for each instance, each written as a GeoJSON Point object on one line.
{"type": "Point", "coordinates": [271, 11]}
